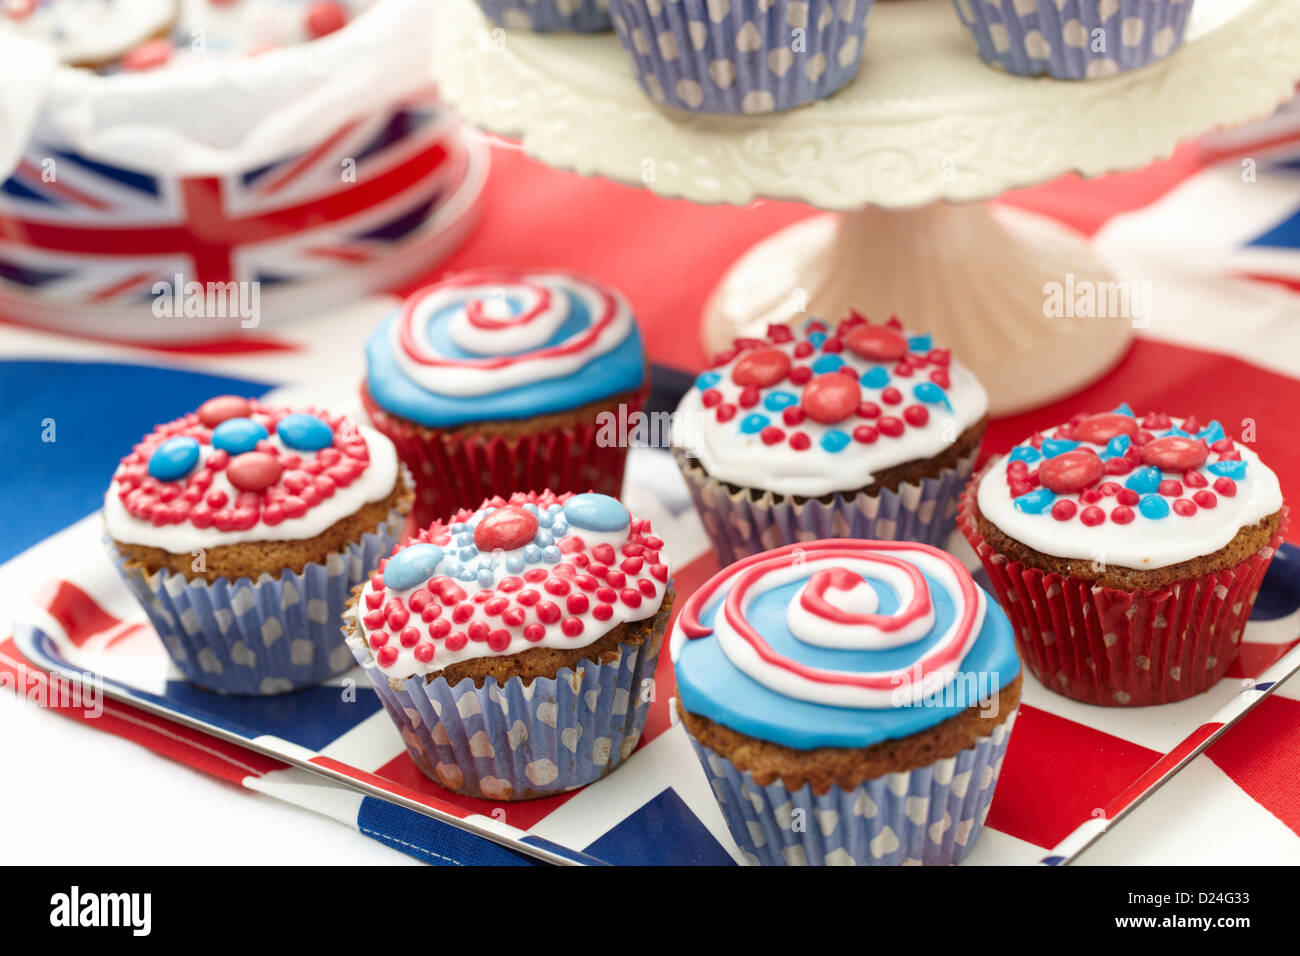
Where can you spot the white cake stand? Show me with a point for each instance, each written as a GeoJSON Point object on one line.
{"type": "Point", "coordinates": [904, 153]}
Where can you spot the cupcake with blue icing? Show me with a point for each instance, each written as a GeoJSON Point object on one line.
{"type": "Point", "coordinates": [549, 16]}
{"type": "Point", "coordinates": [741, 56]}
{"type": "Point", "coordinates": [850, 702]}
{"type": "Point", "coordinates": [498, 380]}
{"type": "Point", "coordinates": [1127, 550]}
{"type": "Point", "coordinates": [1074, 39]}
{"type": "Point", "coordinates": [855, 430]}
{"type": "Point", "coordinates": [515, 645]}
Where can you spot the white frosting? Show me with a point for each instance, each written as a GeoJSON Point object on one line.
{"type": "Point", "coordinates": [89, 31]}
{"type": "Point", "coordinates": [1144, 543]}
{"type": "Point", "coordinates": [862, 599]}
{"type": "Point", "coordinates": [462, 378]}
{"type": "Point", "coordinates": [743, 459]}
{"type": "Point", "coordinates": [374, 484]}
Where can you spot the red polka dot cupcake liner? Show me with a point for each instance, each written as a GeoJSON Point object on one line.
{"type": "Point", "coordinates": [1111, 647]}
{"type": "Point", "coordinates": [450, 475]}
{"type": "Point", "coordinates": [739, 524]}
{"type": "Point", "coordinates": [518, 741]}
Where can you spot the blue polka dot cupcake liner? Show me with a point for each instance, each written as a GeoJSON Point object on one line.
{"type": "Point", "coordinates": [741, 522]}
{"type": "Point", "coordinates": [517, 741]}
{"type": "Point", "coordinates": [274, 635]}
{"type": "Point", "coordinates": [931, 815]}
{"type": "Point", "coordinates": [741, 56]}
{"type": "Point", "coordinates": [1074, 39]}
{"type": "Point", "coordinates": [549, 16]}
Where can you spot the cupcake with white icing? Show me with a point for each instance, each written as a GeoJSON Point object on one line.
{"type": "Point", "coordinates": [850, 702]}
{"type": "Point", "coordinates": [549, 16]}
{"type": "Point", "coordinates": [848, 431]}
{"type": "Point", "coordinates": [242, 528]}
{"type": "Point", "coordinates": [500, 380]}
{"type": "Point", "coordinates": [1128, 551]}
{"type": "Point", "coordinates": [515, 645]}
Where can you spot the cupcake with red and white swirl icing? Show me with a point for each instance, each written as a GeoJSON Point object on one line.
{"type": "Point", "coordinates": [496, 380]}
{"type": "Point", "coordinates": [1128, 550]}
{"type": "Point", "coordinates": [513, 644]}
{"type": "Point", "coordinates": [852, 430]}
{"type": "Point", "coordinates": [242, 527]}
{"type": "Point", "coordinates": [867, 686]}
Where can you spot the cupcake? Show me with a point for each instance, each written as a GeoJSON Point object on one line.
{"type": "Point", "coordinates": [515, 646]}
{"type": "Point", "coordinates": [1127, 551]}
{"type": "Point", "coordinates": [547, 16]}
{"type": "Point", "coordinates": [242, 529]}
{"type": "Point", "coordinates": [741, 56]}
{"type": "Point", "coordinates": [853, 431]}
{"type": "Point", "coordinates": [850, 701]}
{"type": "Point", "coordinates": [499, 380]}
{"type": "Point", "coordinates": [1074, 39]}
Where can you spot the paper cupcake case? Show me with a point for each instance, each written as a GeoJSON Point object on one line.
{"type": "Point", "coordinates": [1074, 39]}
{"type": "Point", "coordinates": [546, 16]}
{"type": "Point", "coordinates": [738, 525]}
{"type": "Point", "coordinates": [450, 475]}
{"type": "Point", "coordinates": [270, 636]}
{"type": "Point", "coordinates": [1105, 646]}
{"type": "Point", "coordinates": [929, 816]}
{"type": "Point", "coordinates": [741, 56]}
{"type": "Point", "coordinates": [517, 741]}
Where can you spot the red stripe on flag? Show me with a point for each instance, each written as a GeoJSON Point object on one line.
{"type": "Point", "coordinates": [307, 160]}
{"type": "Point", "coordinates": [1161, 767]}
{"type": "Point", "coordinates": [1261, 754]}
{"type": "Point", "coordinates": [77, 612]}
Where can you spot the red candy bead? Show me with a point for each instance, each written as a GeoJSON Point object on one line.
{"type": "Point", "coordinates": [865, 434]}
{"type": "Point", "coordinates": [761, 368]}
{"type": "Point", "coordinates": [801, 375]}
{"type": "Point", "coordinates": [1170, 488]}
{"type": "Point", "coordinates": [386, 656]}
{"type": "Point", "coordinates": [1099, 429]}
{"type": "Point", "coordinates": [325, 16]}
{"type": "Point", "coordinates": [877, 343]}
{"type": "Point", "coordinates": [891, 426]}
{"type": "Point", "coordinates": [916, 415]}
{"type": "Point", "coordinates": [424, 653]}
{"type": "Point", "coordinates": [1092, 516]}
{"type": "Point", "coordinates": [1226, 487]}
{"type": "Point", "coordinates": [507, 528]}
{"type": "Point", "coordinates": [1194, 479]}
{"type": "Point", "coordinates": [771, 435]}
{"type": "Point", "coordinates": [254, 470]}
{"type": "Point", "coordinates": [217, 410]}
{"type": "Point", "coordinates": [831, 398]}
{"type": "Point", "coordinates": [1127, 496]}
{"type": "Point", "coordinates": [571, 627]}
{"type": "Point", "coordinates": [1064, 510]}
{"type": "Point", "coordinates": [1205, 498]}
{"type": "Point", "coordinates": [534, 632]}
{"type": "Point", "coordinates": [1185, 507]}
{"type": "Point", "coordinates": [1122, 515]}
{"type": "Point", "coordinates": [1175, 453]}
{"type": "Point", "coordinates": [1071, 472]}
{"type": "Point", "coordinates": [800, 441]}
{"type": "Point", "coordinates": [869, 410]}
{"type": "Point", "coordinates": [891, 396]}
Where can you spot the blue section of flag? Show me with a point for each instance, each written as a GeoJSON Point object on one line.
{"type": "Point", "coordinates": [430, 841]}
{"type": "Point", "coordinates": [331, 711]}
{"type": "Point", "coordinates": [639, 838]}
{"type": "Point", "coordinates": [118, 174]}
{"type": "Point", "coordinates": [1286, 234]}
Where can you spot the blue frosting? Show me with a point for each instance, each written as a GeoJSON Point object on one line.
{"type": "Point", "coordinates": [619, 370]}
{"type": "Point", "coordinates": [711, 686]}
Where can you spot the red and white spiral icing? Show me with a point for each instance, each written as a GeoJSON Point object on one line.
{"type": "Point", "coordinates": [836, 608]}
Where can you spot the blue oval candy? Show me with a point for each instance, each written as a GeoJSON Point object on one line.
{"type": "Point", "coordinates": [594, 512]}
{"type": "Point", "coordinates": [412, 566]}
{"type": "Point", "coordinates": [835, 440]}
{"type": "Point", "coordinates": [174, 458]}
{"type": "Point", "coordinates": [754, 423]}
{"type": "Point", "coordinates": [304, 432]}
{"type": "Point", "coordinates": [237, 435]}
{"type": "Point", "coordinates": [1153, 507]}
{"type": "Point", "coordinates": [877, 377]}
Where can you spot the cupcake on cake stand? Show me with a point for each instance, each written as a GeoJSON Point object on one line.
{"type": "Point", "coordinates": [904, 157]}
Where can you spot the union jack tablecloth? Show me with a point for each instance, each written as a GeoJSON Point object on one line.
{"type": "Point", "coordinates": [1215, 229]}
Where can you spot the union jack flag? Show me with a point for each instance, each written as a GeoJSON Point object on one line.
{"type": "Point", "coordinates": [81, 230]}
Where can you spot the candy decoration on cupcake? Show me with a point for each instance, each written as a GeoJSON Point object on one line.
{"type": "Point", "coordinates": [806, 621]}
{"type": "Point", "coordinates": [238, 466]}
{"type": "Point", "coordinates": [537, 570]}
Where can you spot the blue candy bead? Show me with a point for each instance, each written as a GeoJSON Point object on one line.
{"type": "Point", "coordinates": [237, 435]}
{"type": "Point", "coordinates": [877, 377]}
{"type": "Point", "coordinates": [468, 554]}
{"type": "Point", "coordinates": [929, 392]}
{"type": "Point", "coordinates": [1144, 481]}
{"type": "Point", "coordinates": [818, 339]}
{"type": "Point", "coordinates": [1057, 446]}
{"type": "Point", "coordinates": [544, 539]}
{"type": "Point", "coordinates": [1235, 470]}
{"type": "Point", "coordinates": [551, 555]}
{"type": "Point", "coordinates": [1175, 431]}
{"type": "Point", "coordinates": [468, 574]}
{"type": "Point", "coordinates": [304, 432]}
{"type": "Point", "coordinates": [1035, 501]}
{"type": "Point", "coordinates": [920, 343]}
{"type": "Point", "coordinates": [707, 380]}
{"type": "Point", "coordinates": [827, 363]}
{"type": "Point", "coordinates": [752, 424]}
{"type": "Point", "coordinates": [412, 566]}
{"type": "Point", "coordinates": [1116, 447]}
{"type": "Point", "coordinates": [484, 578]}
{"type": "Point", "coordinates": [465, 539]}
{"type": "Point", "coordinates": [594, 512]}
{"type": "Point", "coordinates": [1123, 409]}
{"type": "Point", "coordinates": [1211, 433]}
{"type": "Point", "coordinates": [532, 553]}
{"type": "Point", "coordinates": [560, 528]}
{"type": "Point", "coordinates": [1153, 507]}
{"type": "Point", "coordinates": [1025, 453]}
{"type": "Point", "coordinates": [835, 440]}
{"type": "Point", "coordinates": [514, 564]}
{"type": "Point", "coordinates": [174, 459]}
{"type": "Point", "coordinates": [777, 401]}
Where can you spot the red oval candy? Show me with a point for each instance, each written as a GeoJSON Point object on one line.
{"type": "Point", "coordinates": [1175, 453]}
{"type": "Point", "coordinates": [506, 528]}
{"type": "Point", "coordinates": [1100, 429]}
{"type": "Point", "coordinates": [831, 398]}
{"type": "Point", "coordinates": [217, 410]}
{"type": "Point", "coordinates": [254, 470]}
{"type": "Point", "coordinates": [761, 368]}
{"type": "Point", "coordinates": [877, 343]}
{"type": "Point", "coordinates": [1071, 471]}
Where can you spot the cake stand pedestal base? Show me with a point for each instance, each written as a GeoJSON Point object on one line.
{"type": "Point", "coordinates": [1017, 298]}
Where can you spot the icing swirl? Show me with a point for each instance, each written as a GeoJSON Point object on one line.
{"type": "Point", "coordinates": [840, 642]}
{"type": "Point", "coordinates": [1135, 492]}
{"type": "Point", "coordinates": [827, 410]}
{"type": "Point", "coordinates": [502, 343]}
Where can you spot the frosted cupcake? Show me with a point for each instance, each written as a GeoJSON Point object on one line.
{"type": "Point", "coordinates": [548, 16]}
{"type": "Point", "coordinates": [741, 56]}
{"type": "Point", "coordinates": [493, 381]}
{"type": "Point", "coordinates": [850, 702]}
{"type": "Point", "coordinates": [848, 431]}
{"type": "Point", "coordinates": [515, 645]}
{"type": "Point", "coordinates": [1127, 551]}
{"type": "Point", "coordinates": [242, 528]}
{"type": "Point", "coordinates": [1074, 39]}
